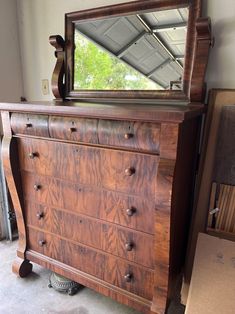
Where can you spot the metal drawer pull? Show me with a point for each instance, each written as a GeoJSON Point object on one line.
{"type": "Point", "coordinates": [130, 211]}
{"type": "Point", "coordinates": [40, 215]}
{"type": "Point", "coordinates": [41, 242]}
{"type": "Point", "coordinates": [127, 136]}
{"type": "Point", "coordinates": [129, 246]}
{"type": "Point", "coordinates": [28, 125]}
{"type": "Point", "coordinates": [129, 171]}
{"type": "Point", "coordinates": [128, 277]}
{"type": "Point", "coordinates": [36, 187]}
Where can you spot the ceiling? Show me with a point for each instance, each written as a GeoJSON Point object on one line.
{"type": "Point", "coordinates": [151, 43]}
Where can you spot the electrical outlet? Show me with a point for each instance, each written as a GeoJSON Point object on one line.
{"type": "Point", "coordinates": [45, 87]}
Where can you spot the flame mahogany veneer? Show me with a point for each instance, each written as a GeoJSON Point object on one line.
{"type": "Point", "coordinates": [103, 200]}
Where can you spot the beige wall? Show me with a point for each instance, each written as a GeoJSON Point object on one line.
{"type": "Point", "coordinates": [11, 88]}
{"type": "Point", "coordinates": [38, 19]}
{"type": "Point", "coordinates": [221, 66]}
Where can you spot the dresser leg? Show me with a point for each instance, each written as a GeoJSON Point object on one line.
{"type": "Point", "coordinates": [21, 267]}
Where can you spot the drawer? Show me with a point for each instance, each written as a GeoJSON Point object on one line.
{"type": "Point", "coordinates": [133, 246]}
{"type": "Point", "coordinates": [120, 171]}
{"type": "Point", "coordinates": [131, 211]}
{"type": "Point", "coordinates": [139, 136]}
{"type": "Point", "coordinates": [35, 125]}
{"type": "Point", "coordinates": [127, 276]}
{"type": "Point", "coordinates": [74, 129]}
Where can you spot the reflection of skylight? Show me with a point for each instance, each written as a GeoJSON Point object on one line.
{"type": "Point", "coordinates": [130, 77]}
{"type": "Point", "coordinates": [151, 43]}
{"type": "Point", "coordinates": [97, 69]}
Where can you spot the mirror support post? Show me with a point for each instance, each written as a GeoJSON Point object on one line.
{"type": "Point", "coordinates": [204, 42]}
{"type": "Point", "coordinates": [57, 84]}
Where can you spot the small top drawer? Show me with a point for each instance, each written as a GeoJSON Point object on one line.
{"type": "Point", "coordinates": [74, 129]}
{"type": "Point", "coordinates": [36, 125]}
{"type": "Point", "coordinates": [139, 136]}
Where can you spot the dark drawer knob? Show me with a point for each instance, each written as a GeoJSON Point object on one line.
{"type": "Point", "coordinates": [28, 125]}
{"type": "Point", "coordinates": [36, 187]}
{"type": "Point", "coordinates": [127, 136]}
{"type": "Point", "coordinates": [41, 242]}
{"type": "Point", "coordinates": [32, 155]}
{"type": "Point", "coordinates": [129, 246]}
{"type": "Point", "coordinates": [129, 171]}
{"type": "Point", "coordinates": [130, 211]}
{"type": "Point", "coordinates": [40, 215]}
{"type": "Point", "coordinates": [128, 277]}
{"type": "Point", "coordinates": [71, 130]}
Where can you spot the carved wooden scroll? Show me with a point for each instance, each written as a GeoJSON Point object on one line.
{"type": "Point", "coordinates": [57, 84]}
{"type": "Point", "coordinates": [201, 53]}
{"type": "Point", "coordinates": [21, 265]}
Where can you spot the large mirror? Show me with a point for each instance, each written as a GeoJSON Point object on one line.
{"type": "Point", "coordinates": [137, 49]}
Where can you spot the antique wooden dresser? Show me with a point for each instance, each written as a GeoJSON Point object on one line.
{"type": "Point", "coordinates": [103, 190]}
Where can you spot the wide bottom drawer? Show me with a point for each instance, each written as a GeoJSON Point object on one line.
{"type": "Point", "coordinates": [127, 276]}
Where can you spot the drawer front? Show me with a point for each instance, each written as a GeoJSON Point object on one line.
{"type": "Point", "coordinates": [139, 136]}
{"type": "Point", "coordinates": [77, 256]}
{"type": "Point", "coordinates": [133, 246]}
{"type": "Point", "coordinates": [133, 278]}
{"type": "Point", "coordinates": [35, 125]}
{"type": "Point", "coordinates": [127, 172]}
{"type": "Point", "coordinates": [130, 211]}
{"type": "Point", "coordinates": [74, 129]}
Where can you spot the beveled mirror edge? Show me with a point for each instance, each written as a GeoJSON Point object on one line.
{"type": "Point", "coordinates": [192, 52]}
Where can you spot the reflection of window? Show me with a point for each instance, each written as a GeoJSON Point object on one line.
{"type": "Point", "coordinates": [97, 69]}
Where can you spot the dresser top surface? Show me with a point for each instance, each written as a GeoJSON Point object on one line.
{"type": "Point", "coordinates": [143, 112]}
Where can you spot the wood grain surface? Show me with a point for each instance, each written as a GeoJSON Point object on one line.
{"type": "Point", "coordinates": [91, 166]}
{"type": "Point", "coordinates": [98, 203]}
{"type": "Point", "coordinates": [133, 135]}
{"type": "Point", "coordinates": [74, 129]}
{"type": "Point", "coordinates": [110, 215]}
{"type": "Point", "coordinates": [92, 232]}
{"type": "Point", "coordinates": [36, 125]}
{"type": "Point", "coordinates": [103, 266]}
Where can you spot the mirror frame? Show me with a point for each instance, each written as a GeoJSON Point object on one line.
{"type": "Point", "coordinates": [196, 54]}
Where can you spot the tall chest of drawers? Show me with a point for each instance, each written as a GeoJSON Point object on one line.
{"type": "Point", "coordinates": [103, 197]}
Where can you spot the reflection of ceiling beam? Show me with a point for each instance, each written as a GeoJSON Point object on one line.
{"type": "Point", "coordinates": [160, 66]}
{"type": "Point", "coordinates": [149, 30]}
{"type": "Point", "coordinates": [179, 57]}
{"type": "Point", "coordinates": [125, 49]}
{"type": "Point", "coordinates": [169, 27]}
{"type": "Point", "coordinates": [176, 83]}
{"type": "Point", "coordinates": [177, 42]}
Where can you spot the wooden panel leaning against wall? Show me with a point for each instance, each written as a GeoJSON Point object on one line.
{"type": "Point", "coordinates": [218, 99]}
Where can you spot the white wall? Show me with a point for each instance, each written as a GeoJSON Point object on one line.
{"type": "Point", "coordinates": [11, 87]}
{"type": "Point", "coordinates": [38, 19]}
{"type": "Point", "coordinates": [221, 67]}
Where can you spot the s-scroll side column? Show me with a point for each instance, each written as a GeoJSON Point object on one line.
{"type": "Point", "coordinates": [57, 84]}
{"type": "Point", "coordinates": [21, 265]}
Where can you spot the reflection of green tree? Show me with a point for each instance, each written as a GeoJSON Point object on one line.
{"type": "Point", "coordinates": [97, 69]}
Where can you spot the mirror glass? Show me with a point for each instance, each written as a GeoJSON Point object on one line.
{"type": "Point", "coordinates": [136, 52]}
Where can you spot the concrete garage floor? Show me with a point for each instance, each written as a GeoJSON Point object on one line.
{"type": "Point", "coordinates": [31, 295]}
